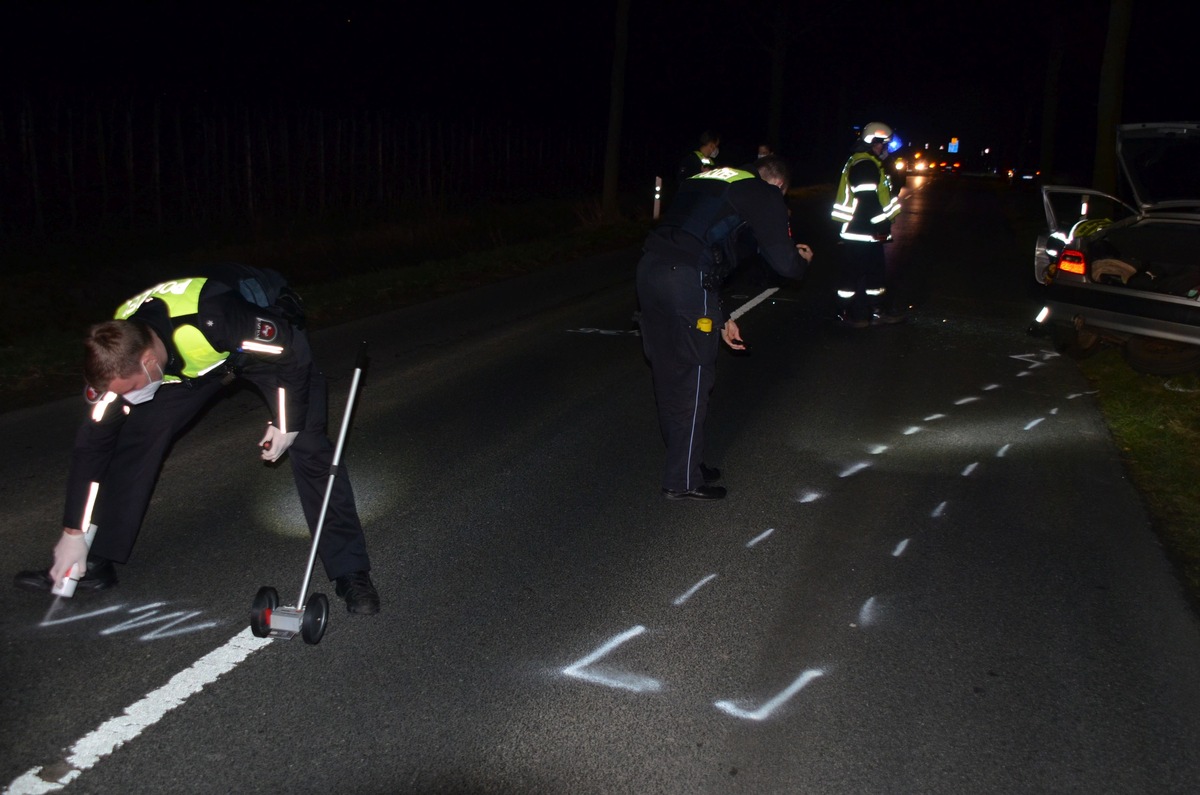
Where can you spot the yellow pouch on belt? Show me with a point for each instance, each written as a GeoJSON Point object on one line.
{"type": "Point", "coordinates": [704, 324]}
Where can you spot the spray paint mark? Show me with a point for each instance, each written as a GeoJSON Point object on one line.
{"type": "Point", "coordinates": [866, 613]}
{"type": "Point", "coordinates": [1032, 423]}
{"type": "Point", "coordinates": [144, 615]}
{"type": "Point", "coordinates": [683, 597]}
{"type": "Point", "coordinates": [969, 469]}
{"type": "Point", "coordinates": [623, 681]}
{"type": "Point", "coordinates": [152, 617]}
{"type": "Point", "coordinates": [853, 469]}
{"type": "Point", "coordinates": [764, 712]}
{"type": "Point", "coordinates": [50, 622]}
{"type": "Point", "coordinates": [899, 550]}
{"type": "Point", "coordinates": [760, 537]}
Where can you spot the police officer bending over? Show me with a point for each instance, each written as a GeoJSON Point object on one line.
{"type": "Point", "coordinates": [168, 353]}
{"type": "Point", "coordinates": [685, 261]}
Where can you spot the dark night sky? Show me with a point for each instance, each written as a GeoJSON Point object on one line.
{"type": "Point", "coordinates": [931, 69]}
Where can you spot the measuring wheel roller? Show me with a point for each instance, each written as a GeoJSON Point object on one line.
{"type": "Point", "coordinates": [266, 600]}
{"type": "Point", "coordinates": [316, 617]}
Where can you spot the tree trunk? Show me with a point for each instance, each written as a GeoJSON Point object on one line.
{"type": "Point", "coordinates": [610, 209]}
{"type": "Point", "coordinates": [1112, 86]}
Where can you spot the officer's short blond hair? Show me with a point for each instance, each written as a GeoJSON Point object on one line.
{"type": "Point", "coordinates": [113, 349]}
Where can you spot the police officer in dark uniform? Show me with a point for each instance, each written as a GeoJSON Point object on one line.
{"type": "Point", "coordinates": [685, 260]}
{"type": "Point", "coordinates": [701, 159]}
{"type": "Point", "coordinates": [168, 353]}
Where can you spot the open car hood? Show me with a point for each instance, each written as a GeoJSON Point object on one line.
{"type": "Point", "coordinates": [1161, 163]}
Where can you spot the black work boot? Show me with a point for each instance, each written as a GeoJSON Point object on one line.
{"type": "Point", "coordinates": [359, 592]}
{"type": "Point", "coordinates": [101, 575]}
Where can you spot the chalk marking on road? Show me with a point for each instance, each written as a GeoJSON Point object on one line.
{"type": "Point", "coordinates": [966, 400]}
{"type": "Point", "coordinates": [179, 617]}
{"type": "Point", "coordinates": [877, 449]}
{"type": "Point", "coordinates": [866, 613]}
{"type": "Point", "coordinates": [939, 510]}
{"type": "Point", "coordinates": [969, 469]}
{"type": "Point", "coordinates": [753, 302]}
{"type": "Point", "coordinates": [760, 537]}
{"type": "Point", "coordinates": [50, 622]}
{"type": "Point", "coordinates": [1035, 359]}
{"type": "Point", "coordinates": [764, 712]}
{"type": "Point", "coordinates": [853, 469]}
{"type": "Point", "coordinates": [899, 550]}
{"type": "Point", "coordinates": [683, 597]}
{"type": "Point", "coordinates": [139, 716]}
{"type": "Point", "coordinates": [634, 682]}
{"type": "Point", "coordinates": [1032, 423]}
{"type": "Point", "coordinates": [933, 417]}
{"type": "Point", "coordinates": [1000, 453]}
{"type": "Point", "coordinates": [809, 496]}
{"type": "Point", "coordinates": [605, 332]}
{"type": "Point", "coordinates": [910, 430]}
{"type": "Point", "coordinates": [151, 617]}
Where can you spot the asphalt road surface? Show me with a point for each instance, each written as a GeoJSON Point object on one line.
{"type": "Point", "coordinates": [930, 575]}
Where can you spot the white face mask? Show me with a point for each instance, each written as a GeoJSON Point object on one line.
{"type": "Point", "coordinates": [136, 396]}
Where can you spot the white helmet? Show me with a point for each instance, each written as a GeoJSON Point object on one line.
{"type": "Point", "coordinates": [876, 131]}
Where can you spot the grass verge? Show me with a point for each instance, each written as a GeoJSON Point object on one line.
{"type": "Point", "coordinates": [1156, 424]}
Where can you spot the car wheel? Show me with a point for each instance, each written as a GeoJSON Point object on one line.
{"type": "Point", "coordinates": [1076, 343]}
{"type": "Point", "coordinates": [1161, 357]}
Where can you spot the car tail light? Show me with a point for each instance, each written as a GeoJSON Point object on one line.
{"type": "Point", "coordinates": [1072, 261]}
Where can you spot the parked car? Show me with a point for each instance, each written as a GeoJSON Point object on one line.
{"type": "Point", "coordinates": [1127, 273]}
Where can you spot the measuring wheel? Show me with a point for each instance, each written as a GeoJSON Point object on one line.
{"type": "Point", "coordinates": [316, 616]}
{"type": "Point", "coordinates": [266, 600]}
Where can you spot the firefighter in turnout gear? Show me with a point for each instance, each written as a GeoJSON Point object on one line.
{"type": "Point", "coordinates": [865, 206]}
{"type": "Point", "coordinates": [167, 354]}
{"type": "Point", "coordinates": [685, 260]}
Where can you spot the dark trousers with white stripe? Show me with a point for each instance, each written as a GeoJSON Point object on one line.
{"type": "Point", "coordinates": [861, 279]}
{"type": "Point", "coordinates": [145, 439]}
{"type": "Point", "coordinates": [682, 360]}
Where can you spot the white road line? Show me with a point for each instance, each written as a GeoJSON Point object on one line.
{"type": "Point", "coordinates": [941, 507]}
{"type": "Point", "coordinates": [115, 732]}
{"type": "Point", "coordinates": [969, 469]}
{"type": "Point", "coordinates": [899, 550]}
{"type": "Point", "coordinates": [1033, 423]}
{"type": "Point", "coordinates": [1000, 453]}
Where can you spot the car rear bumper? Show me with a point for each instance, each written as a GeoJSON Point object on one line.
{"type": "Point", "coordinates": [1124, 312]}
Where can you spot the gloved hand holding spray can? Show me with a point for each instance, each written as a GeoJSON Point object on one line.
{"type": "Point", "coordinates": [76, 546]}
